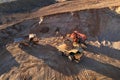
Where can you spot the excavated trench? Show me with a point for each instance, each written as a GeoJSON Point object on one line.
{"type": "Point", "coordinates": [44, 61]}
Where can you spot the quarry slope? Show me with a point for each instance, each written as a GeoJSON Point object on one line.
{"type": "Point", "coordinates": [57, 8]}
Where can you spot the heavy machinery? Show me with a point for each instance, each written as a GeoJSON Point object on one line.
{"type": "Point", "coordinates": [73, 46]}
{"type": "Point", "coordinates": [71, 51]}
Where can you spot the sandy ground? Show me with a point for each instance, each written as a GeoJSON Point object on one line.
{"type": "Point", "coordinates": [44, 61]}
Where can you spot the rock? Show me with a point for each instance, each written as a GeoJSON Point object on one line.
{"type": "Point", "coordinates": [117, 10]}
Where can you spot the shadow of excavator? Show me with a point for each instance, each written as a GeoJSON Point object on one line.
{"type": "Point", "coordinates": [105, 50]}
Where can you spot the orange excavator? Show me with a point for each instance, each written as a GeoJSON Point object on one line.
{"type": "Point", "coordinates": [77, 37]}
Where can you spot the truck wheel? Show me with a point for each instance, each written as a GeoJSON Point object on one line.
{"type": "Point", "coordinates": [63, 54]}
{"type": "Point", "coordinates": [77, 61]}
{"type": "Point", "coordinates": [70, 58]}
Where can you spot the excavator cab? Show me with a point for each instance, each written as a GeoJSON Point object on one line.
{"type": "Point", "coordinates": [78, 38]}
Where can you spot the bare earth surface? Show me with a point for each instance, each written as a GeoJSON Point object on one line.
{"type": "Point", "coordinates": [44, 61]}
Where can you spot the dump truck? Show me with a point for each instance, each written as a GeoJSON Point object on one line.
{"type": "Point", "coordinates": [73, 53]}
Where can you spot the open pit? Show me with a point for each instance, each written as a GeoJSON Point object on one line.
{"type": "Point", "coordinates": [44, 61]}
